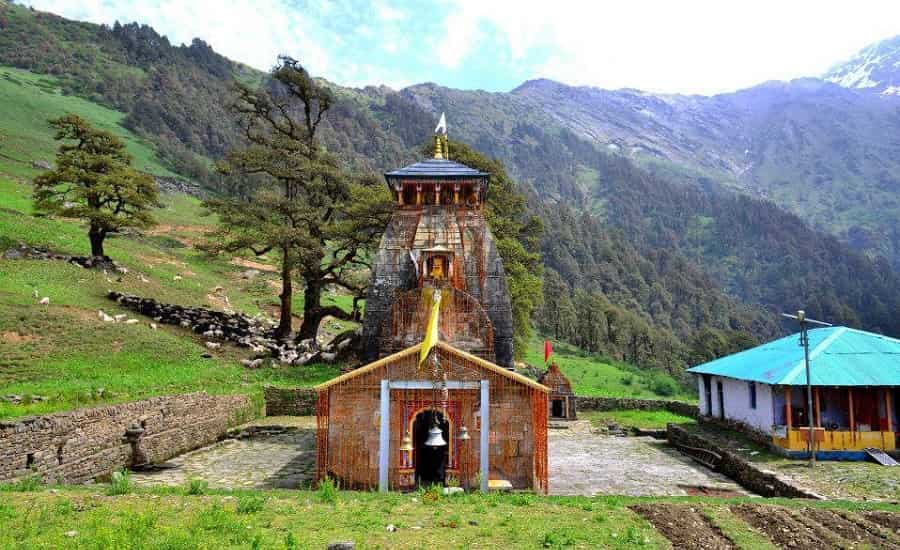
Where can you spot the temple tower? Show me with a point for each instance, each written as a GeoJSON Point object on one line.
{"type": "Point", "coordinates": [438, 238]}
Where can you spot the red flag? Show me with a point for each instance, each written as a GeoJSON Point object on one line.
{"type": "Point", "coordinates": [548, 350]}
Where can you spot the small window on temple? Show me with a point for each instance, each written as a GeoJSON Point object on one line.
{"type": "Point", "coordinates": [752, 388]}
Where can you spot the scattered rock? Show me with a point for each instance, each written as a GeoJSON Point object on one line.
{"type": "Point", "coordinates": [132, 322]}
{"type": "Point", "coordinates": [250, 274]}
{"type": "Point", "coordinates": [41, 164]}
{"type": "Point", "coordinates": [25, 252]}
{"type": "Point", "coordinates": [256, 333]}
{"type": "Point", "coordinates": [120, 317]}
{"type": "Point", "coordinates": [252, 363]}
{"type": "Point", "coordinates": [45, 301]}
{"type": "Point", "coordinates": [104, 317]}
{"type": "Point", "coordinates": [71, 534]}
{"type": "Point", "coordinates": [154, 326]}
{"type": "Point", "coordinates": [213, 345]}
{"type": "Point", "coordinates": [341, 546]}
{"type": "Point", "coordinates": [390, 528]}
{"type": "Point", "coordinates": [176, 278]}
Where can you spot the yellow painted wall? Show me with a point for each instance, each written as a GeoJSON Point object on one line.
{"type": "Point", "coordinates": [839, 441]}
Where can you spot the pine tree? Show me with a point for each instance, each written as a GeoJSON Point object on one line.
{"type": "Point", "coordinates": [94, 181]}
{"type": "Point", "coordinates": [294, 198]}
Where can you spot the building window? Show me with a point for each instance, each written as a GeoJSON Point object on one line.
{"type": "Point", "coordinates": [752, 387]}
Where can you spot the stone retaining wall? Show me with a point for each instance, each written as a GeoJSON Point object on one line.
{"type": "Point", "coordinates": [737, 468]}
{"type": "Point", "coordinates": [290, 401]}
{"type": "Point", "coordinates": [78, 446]}
{"type": "Point", "coordinates": [617, 403]}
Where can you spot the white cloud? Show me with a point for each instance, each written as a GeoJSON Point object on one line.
{"type": "Point", "coordinates": [700, 46]}
{"type": "Point", "coordinates": [690, 46]}
{"type": "Point", "coordinates": [250, 32]}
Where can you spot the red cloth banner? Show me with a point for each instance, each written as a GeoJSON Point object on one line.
{"type": "Point", "coordinates": [548, 350]}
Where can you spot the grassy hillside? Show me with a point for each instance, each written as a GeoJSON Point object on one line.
{"type": "Point", "coordinates": [595, 375]}
{"type": "Point", "coordinates": [36, 99]}
{"type": "Point", "coordinates": [63, 352]}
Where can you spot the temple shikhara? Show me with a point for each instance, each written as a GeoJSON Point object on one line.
{"type": "Point", "coordinates": [437, 401]}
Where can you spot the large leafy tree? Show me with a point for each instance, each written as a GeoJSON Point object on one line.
{"type": "Point", "coordinates": [294, 199]}
{"type": "Point", "coordinates": [94, 181]}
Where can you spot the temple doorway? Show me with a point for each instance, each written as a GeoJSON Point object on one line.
{"type": "Point", "coordinates": [430, 462]}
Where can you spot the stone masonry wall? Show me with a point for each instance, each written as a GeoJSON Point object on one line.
{"type": "Point", "coordinates": [78, 446]}
{"type": "Point", "coordinates": [617, 403]}
{"type": "Point", "coordinates": [737, 468]}
{"type": "Point", "coordinates": [290, 401]}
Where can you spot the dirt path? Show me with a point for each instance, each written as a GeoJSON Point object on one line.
{"type": "Point", "coordinates": [684, 526]}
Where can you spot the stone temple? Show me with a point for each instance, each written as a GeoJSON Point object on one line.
{"type": "Point", "coordinates": [438, 238]}
{"type": "Point", "coordinates": [446, 408]}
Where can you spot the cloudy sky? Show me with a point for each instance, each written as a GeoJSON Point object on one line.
{"type": "Point", "coordinates": [687, 46]}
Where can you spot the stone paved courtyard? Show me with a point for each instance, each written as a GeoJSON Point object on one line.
{"type": "Point", "coordinates": [284, 460]}
{"type": "Point", "coordinates": [582, 462]}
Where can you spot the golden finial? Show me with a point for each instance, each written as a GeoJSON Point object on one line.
{"type": "Point", "coordinates": [438, 147]}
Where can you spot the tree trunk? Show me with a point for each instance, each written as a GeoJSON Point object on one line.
{"type": "Point", "coordinates": [312, 311]}
{"type": "Point", "coordinates": [96, 235]}
{"type": "Point", "coordinates": [287, 292]}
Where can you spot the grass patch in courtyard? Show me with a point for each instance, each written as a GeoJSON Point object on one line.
{"type": "Point", "coordinates": [85, 517]}
{"type": "Point", "coordinates": [645, 420]}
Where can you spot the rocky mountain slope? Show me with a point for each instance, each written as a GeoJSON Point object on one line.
{"type": "Point", "coordinates": [828, 153]}
{"type": "Point", "coordinates": [875, 69]}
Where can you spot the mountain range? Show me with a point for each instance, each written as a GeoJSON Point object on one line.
{"type": "Point", "coordinates": [694, 213]}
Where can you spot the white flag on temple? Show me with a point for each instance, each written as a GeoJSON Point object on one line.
{"type": "Point", "coordinates": [442, 125]}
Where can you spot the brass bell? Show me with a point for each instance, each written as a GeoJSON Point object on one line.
{"type": "Point", "coordinates": [435, 437]}
{"type": "Point", "coordinates": [464, 434]}
{"type": "Point", "coordinates": [406, 443]}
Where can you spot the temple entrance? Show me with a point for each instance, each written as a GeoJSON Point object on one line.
{"type": "Point", "coordinates": [557, 408]}
{"type": "Point", "coordinates": [430, 462]}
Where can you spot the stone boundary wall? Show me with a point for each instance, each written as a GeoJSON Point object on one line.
{"type": "Point", "coordinates": [737, 468]}
{"type": "Point", "coordinates": [290, 401]}
{"type": "Point", "coordinates": [615, 403]}
{"type": "Point", "coordinates": [81, 445]}
{"type": "Point", "coordinates": [302, 402]}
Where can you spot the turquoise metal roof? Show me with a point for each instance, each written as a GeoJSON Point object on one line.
{"type": "Point", "coordinates": [839, 356]}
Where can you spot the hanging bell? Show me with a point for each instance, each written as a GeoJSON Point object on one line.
{"type": "Point", "coordinates": [435, 437]}
{"type": "Point", "coordinates": [406, 443]}
{"type": "Point", "coordinates": [464, 434]}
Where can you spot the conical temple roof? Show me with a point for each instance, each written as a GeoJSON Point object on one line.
{"type": "Point", "coordinates": [436, 168]}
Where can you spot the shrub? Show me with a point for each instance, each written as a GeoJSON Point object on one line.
{"type": "Point", "coordinates": [327, 491]}
{"type": "Point", "coordinates": [31, 482]}
{"type": "Point", "coordinates": [663, 387]}
{"type": "Point", "coordinates": [627, 380]}
{"type": "Point", "coordinates": [250, 504]}
{"type": "Point", "coordinates": [197, 487]}
{"type": "Point", "coordinates": [119, 483]}
{"type": "Point", "coordinates": [432, 494]}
